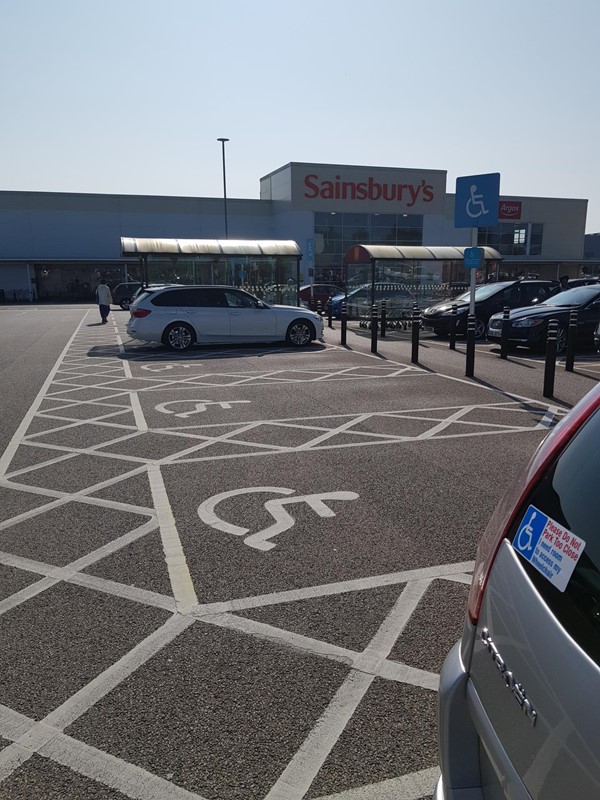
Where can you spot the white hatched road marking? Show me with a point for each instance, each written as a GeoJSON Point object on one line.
{"type": "Point", "coordinates": [61, 391]}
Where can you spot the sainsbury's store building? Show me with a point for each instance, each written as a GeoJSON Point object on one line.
{"type": "Point", "coordinates": [59, 245]}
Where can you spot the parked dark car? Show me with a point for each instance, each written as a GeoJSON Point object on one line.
{"type": "Point", "coordinates": [318, 291]}
{"type": "Point", "coordinates": [123, 294]}
{"type": "Point", "coordinates": [489, 298]}
{"type": "Point", "coordinates": [529, 326]}
{"type": "Point", "coordinates": [399, 300]}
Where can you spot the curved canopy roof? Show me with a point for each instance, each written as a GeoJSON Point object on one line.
{"type": "Point", "coordinates": [193, 247]}
{"type": "Point", "coordinates": [362, 253]}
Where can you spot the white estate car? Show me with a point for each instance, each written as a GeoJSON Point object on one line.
{"type": "Point", "coordinates": [181, 316]}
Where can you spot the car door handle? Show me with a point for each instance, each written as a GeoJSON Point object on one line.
{"type": "Point", "coordinates": [235, 313]}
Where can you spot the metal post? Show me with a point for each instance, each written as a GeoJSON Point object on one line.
{"type": "Point", "coordinates": [571, 339]}
{"type": "Point", "coordinates": [550, 365]}
{"type": "Point", "coordinates": [344, 325]}
{"type": "Point", "coordinates": [383, 318]}
{"type": "Point", "coordinates": [453, 318]}
{"type": "Point", "coordinates": [223, 140]}
{"type": "Point", "coordinates": [319, 308]}
{"type": "Point", "coordinates": [374, 329]}
{"type": "Point", "coordinates": [416, 323]}
{"type": "Point", "coordinates": [329, 309]}
{"type": "Point", "coordinates": [470, 360]}
{"type": "Point", "coordinates": [504, 334]}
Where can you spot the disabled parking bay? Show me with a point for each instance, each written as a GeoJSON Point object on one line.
{"type": "Point", "coordinates": [235, 573]}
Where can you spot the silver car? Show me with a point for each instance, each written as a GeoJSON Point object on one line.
{"type": "Point", "coordinates": [519, 707]}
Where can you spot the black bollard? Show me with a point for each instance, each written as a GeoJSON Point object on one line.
{"type": "Point", "coordinates": [374, 329]}
{"type": "Point", "coordinates": [416, 324]}
{"type": "Point", "coordinates": [550, 365]}
{"type": "Point", "coordinates": [383, 318]}
{"type": "Point", "coordinates": [453, 317]}
{"type": "Point", "coordinates": [571, 340]}
{"type": "Point", "coordinates": [504, 333]}
{"type": "Point", "coordinates": [470, 361]}
{"type": "Point", "coordinates": [344, 325]}
{"type": "Point", "coordinates": [319, 308]}
{"type": "Point", "coordinates": [329, 308]}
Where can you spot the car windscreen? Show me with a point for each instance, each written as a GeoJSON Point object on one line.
{"type": "Point", "coordinates": [573, 297]}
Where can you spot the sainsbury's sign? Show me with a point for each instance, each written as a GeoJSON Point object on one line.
{"type": "Point", "coordinates": [369, 189]}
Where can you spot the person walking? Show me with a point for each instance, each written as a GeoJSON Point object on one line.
{"type": "Point", "coordinates": [104, 298]}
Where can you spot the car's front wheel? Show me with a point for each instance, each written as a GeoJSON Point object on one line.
{"type": "Point", "coordinates": [125, 303]}
{"type": "Point", "coordinates": [561, 339]}
{"type": "Point", "coordinates": [179, 337]}
{"type": "Point", "coordinates": [300, 333]}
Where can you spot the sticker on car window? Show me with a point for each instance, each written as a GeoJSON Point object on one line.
{"type": "Point", "coordinates": [551, 549]}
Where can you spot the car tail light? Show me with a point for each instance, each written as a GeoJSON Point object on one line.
{"type": "Point", "coordinates": [513, 503]}
{"type": "Point", "coordinates": [140, 312]}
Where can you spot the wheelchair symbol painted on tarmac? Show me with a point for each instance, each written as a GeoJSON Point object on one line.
{"type": "Point", "coordinates": [200, 406]}
{"type": "Point", "coordinates": [164, 367]}
{"type": "Point", "coordinates": [475, 207]}
{"type": "Point", "coordinates": [283, 520]}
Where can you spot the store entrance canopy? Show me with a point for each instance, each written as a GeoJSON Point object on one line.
{"type": "Point", "coordinates": [365, 253]}
{"type": "Point", "coordinates": [217, 247]}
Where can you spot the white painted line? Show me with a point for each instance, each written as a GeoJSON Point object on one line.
{"type": "Point", "coordinates": [126, 778]}
{"type": "Point", "coordinates": [10, 451]}
{"type": "Point", "coordinates": [101, 685]}
{"type": "Point", "coordinates": [138, 413]}
{"type": "Point", "coordinates": [327, 589]}
{"type": "Point", "coordinates": [413, 786]}
{"type": "Point", "coordinates": [301, 771]}
{"type": "Point", "coordinates": [390, 670]}
{"type": "Point", "coordinates": [181, 580]}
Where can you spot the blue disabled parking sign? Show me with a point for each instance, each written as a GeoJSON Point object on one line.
{"type": "Point", "coordinates": [476, 202]}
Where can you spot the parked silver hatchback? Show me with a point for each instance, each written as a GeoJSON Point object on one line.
{"type": "Point", "coordinates": [519, 702]}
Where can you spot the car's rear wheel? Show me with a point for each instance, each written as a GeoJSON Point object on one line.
{"type": "Point", "coordinates": [479, 328]}
{"type": "Point", "coordinates": [179, 337]}
{"type": "Point", "coordinates": [300, 333]}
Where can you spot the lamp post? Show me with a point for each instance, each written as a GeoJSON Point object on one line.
{"type": "Point", "coordinates": [223, 140]}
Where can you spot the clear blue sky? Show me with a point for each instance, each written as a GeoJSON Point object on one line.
{"type": "Point", "coordinates": [129, 96]}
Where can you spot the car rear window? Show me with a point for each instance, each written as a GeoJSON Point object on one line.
{"type": "Point", "coordinates": [569, 494]}
{"type": "Point", "coordinates": [173, 298]}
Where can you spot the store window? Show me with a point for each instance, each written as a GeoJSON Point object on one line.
{"type": "Point", "coordinates": [513, 239]}
{"type": "Point", "coordinates": [337, 232]}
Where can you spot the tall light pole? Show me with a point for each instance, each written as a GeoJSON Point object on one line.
{"type": "Point", "coordinates": [223, 140]}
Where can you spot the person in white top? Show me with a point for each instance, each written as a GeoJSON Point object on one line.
{"type": "Point", "coordinates": [104, 298]}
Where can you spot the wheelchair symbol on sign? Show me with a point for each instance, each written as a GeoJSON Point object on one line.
{"type": "Point", "coordinates": [525, 537]}
{"type": "Point", "coordinates": [283, 520]}
{"type": "Point", "coordinates": [475, 206]}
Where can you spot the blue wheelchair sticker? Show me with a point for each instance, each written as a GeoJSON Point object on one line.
{"type": "Point", "coordinates": [529, 533]}
{"type": "Point", "coordinates": [548, 546]}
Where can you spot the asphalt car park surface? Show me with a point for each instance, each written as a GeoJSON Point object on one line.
{"type": "Point", "coordinates": [235, 573]}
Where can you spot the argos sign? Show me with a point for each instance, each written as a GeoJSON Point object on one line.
{"type": "Point", "coordinates": [509, 209]}
{"type": "Point", "coordinates": [364, 189]}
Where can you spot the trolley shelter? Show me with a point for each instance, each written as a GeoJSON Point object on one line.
{"type": "Point", "coordinates": [270, 269]}
{"type": "Point", "coordinates": [403, 276]}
